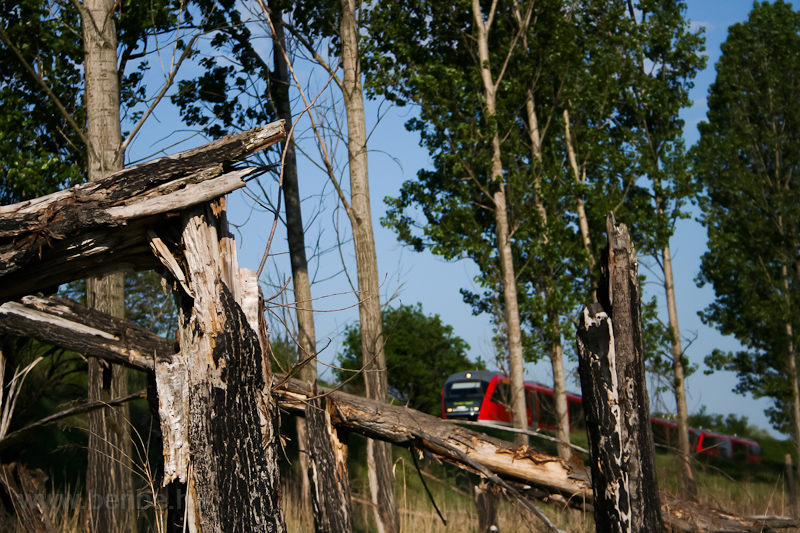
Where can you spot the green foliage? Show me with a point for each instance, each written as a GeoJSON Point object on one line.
{"type": "Point", "coordinates": [748, 158]}
{"type": "Point", "coordinates": [39, 151]}
{"type": "Point", "coordinates": [622, 81]}
{"type": "Point", "coordinates": [421, 353]}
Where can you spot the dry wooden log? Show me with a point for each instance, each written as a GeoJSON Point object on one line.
{"type": "Point", "coordinates": [552, 479]}
{"type": "Point", "coordinates": [76, 327]}
{"type": "Point", "coordinates": [102, 226]}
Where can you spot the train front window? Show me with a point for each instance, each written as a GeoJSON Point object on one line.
{"type": "Point", "coordinates": [465, 389]}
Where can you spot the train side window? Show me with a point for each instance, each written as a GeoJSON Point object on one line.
{"type": "Point", "coordinates": [530, 404]}
{"type": "Point", "coordinates": [672, 436]}
{"type": "Point", "coordinates": [659, 432]}
{"type": "Point", "coordinates": [576, 419]}
{"type": "Point", "coordinates": [740, 450]}
{"type": "Point", "coordinates": [547, 409]}
{"type": "Point", "coordinates": [502, 393]}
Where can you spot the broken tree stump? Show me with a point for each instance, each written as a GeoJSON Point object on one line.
{"type": "Point", "coordinates": [327, 469]}
{"type": "Point", "coordinates": [615, 400]}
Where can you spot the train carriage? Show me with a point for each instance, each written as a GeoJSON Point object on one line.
{"type": "Point", "coordinates": [484, 396]}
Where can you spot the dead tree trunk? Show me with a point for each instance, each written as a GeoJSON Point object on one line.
{"type": "Point", "coordinates": [615, 397]}
{"type": "Point", "coordinates": [218, 418]}
{"type": "Point", "coordinates": [327, 470]}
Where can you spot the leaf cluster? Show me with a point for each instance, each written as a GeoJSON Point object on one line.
{"type": "Point", "coordinates": [748, 159]}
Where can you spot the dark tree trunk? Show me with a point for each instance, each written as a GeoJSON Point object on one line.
{"type": "Point", "coordinates": [615, 400]}
{"type": "Point", "coordinates": [327, 470]}
{"type": "Point", "coordinates": [306, 336]}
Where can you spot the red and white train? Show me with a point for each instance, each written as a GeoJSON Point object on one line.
{"type": "Point", "coordinates": [484, 396]}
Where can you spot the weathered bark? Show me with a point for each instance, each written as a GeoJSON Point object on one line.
{"type": "Point", "coordinates": [505, 253]}
{"type": "Point", "coordinates": [379, 454]}
{"type": "Point", "coordinates": [227, 421]}
{"type": "Point", "coordinates": [615, 399]}
{"type": "Point", "coordinates": [486, 503]}
{"type": "Point", "coordinates": [327, 470]}
{"type": "Point", "coordinates": [109, 473]}
{"type": "Point", "coordinates": [102, 226]}
{"type": "Point", "coordinates": [295, 236]}
{"type": "Point", "coordinates": [688, 485]}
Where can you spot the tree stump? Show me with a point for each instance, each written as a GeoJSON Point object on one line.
{"type": "Point", "coordinates": [615, 399]}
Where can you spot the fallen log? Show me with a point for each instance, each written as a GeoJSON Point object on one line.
{"type": "Point", "coordinates": [553, 479]}
{"type": "Point", "coordinates": [103, 226]}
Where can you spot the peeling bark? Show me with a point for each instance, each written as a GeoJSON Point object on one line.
{"type": "Point", "coordinates": [233, 480]}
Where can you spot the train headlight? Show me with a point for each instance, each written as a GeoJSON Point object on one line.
{"type": "Point", "coordinates": [449, 409]}
{"type": "Point", "coordinates": [476, 408]}
{"type": "Point", "coordinates": [469, 375]}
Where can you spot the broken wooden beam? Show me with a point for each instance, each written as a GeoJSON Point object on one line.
{"type": "Point", "coordinates": [70, 325]}
{"type": "Point", "coordinates": [102, 226]}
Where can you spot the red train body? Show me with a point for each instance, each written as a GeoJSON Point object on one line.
{"type": "Point", "coordinates": [483, 396]}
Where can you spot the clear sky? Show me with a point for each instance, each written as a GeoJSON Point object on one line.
{"type": "Point", "coordinates": [409, 277]}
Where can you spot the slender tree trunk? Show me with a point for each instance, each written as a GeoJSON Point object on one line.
{"type": "Point", "coordinates": [688, 485]}
{"type": "Point", "coordinates": [583, 220]}
{"type": "Point", "coordinates": [306, 337]}
{"type": "Point", "coordinates": [379, 454]}
{"type": "Point", "coordinates": [556, 348]}
{"type": "Point", "coordinates": [560, 390]}
{"type": "Point", "coordinates": [506, 257]}
{"type": "Point", "coordinates": [792, 360]}
{"type": "Point", "coordinates": [109, 473]}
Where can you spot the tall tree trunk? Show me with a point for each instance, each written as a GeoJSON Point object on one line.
{"type": "Point", "coordinates": [560, 390]}
{"type": "Point", "coordinates": [506, 257]}
{"type": "Point", "coordinates": [109, 473]}
{"type": "Point", "coordinates": [792, 360]}
{"type": "Point", "coordinates": [306, 336]}
{"type": "Point", "coordinates": [688, 485]}
{"type": "Point", "coordinates": [379, 454]}
{"type": "Point", "coordinates": [556, 348]}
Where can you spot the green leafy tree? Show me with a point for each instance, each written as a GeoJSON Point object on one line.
{"type": "Point", "coordinates": [748, 158]}
{"type": "Point", "coordinates": [421, 353]}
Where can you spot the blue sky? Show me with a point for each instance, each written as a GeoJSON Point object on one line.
{"type": "Point", "coordinates": [409, 277]}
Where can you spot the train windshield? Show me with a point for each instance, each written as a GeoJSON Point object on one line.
{"type": "Point", "coordinates": [465, 389]}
